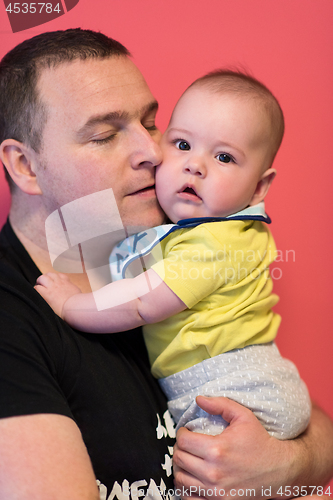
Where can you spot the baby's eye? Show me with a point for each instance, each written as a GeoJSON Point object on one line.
{"type": "Point", "coordinates": [225, 158]}
{"type": "Point", "coordinates": [183, 145]}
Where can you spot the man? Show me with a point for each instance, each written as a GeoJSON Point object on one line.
{"type": "Point", "coordinates": [77, 118]}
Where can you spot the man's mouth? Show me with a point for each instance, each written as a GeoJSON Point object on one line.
{"type": "Point", "coordinates": [146, 190]}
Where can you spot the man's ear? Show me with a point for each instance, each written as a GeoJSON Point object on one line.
{"type": "Point", "coordinates": [263, 186]}
{"type": "Point", "coordinates": [20, 162]}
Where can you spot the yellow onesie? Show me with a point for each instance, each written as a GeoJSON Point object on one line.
{"type": "Point", "coordinates": [220, 271]}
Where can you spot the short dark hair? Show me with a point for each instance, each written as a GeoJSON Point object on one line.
{"type": "Point", "coordinates": [243, 84]}
{"type": "Point", "coordinates": [22, 114]}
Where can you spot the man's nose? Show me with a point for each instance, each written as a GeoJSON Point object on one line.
{"type": "Point", "coordinates": [146, 151]}
{"type": "Point", "coordinates": [195, 165]}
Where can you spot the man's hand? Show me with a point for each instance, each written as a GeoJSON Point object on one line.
{"type": "Point", "coordinates": [240, 458]}
{"type": "Point", "coordinates": [56, 289]}
{"type": "Point", "coordinates": [245, 461]}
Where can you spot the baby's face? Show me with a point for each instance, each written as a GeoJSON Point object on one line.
{"type": "Point", "coordinates": [215, 150]}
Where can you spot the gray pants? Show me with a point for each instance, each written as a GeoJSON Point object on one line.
{"type": "Point", "coordinates": [256, 377]}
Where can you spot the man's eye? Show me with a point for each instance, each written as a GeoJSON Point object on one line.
{"type": "Point", "coordinates": [150, 127]}
{"type": "Point", "coordinates": [104, 141]}
{"type": "Point", "coordinates": [225, 158]}
{"type": "Point", "coordinates": [183, 145]}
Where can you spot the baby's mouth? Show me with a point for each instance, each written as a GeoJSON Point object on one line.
{"type": "Point", "coordinates": [189, 193]}
{"type": "Point", "coordinates": [190, 190]}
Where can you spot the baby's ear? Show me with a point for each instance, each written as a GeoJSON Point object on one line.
{"type": "Point", "coordinates": [263, 186]}
{"type": "Point", "coordinates": [20, 162]}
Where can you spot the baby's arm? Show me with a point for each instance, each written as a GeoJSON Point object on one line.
{"type": "Point", "coordinates": [116, 307]}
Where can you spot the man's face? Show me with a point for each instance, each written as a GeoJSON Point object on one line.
{"type": "Point", "coordinates": [100, 133]}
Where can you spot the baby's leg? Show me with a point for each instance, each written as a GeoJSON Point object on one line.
{"type": "Point", "coordinates": [257, 377]}
{"type": "Point", "coordinates": [197, 420]}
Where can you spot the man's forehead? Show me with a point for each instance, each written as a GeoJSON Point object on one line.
{"type": "Point", "coordinates": [96, 87]}
{"type": "Point", "coordinates": [87, 77]}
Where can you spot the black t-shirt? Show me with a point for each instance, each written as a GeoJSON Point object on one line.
{"type": "Point", "coordinates": [103, 382]}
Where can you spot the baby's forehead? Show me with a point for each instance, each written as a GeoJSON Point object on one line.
{"type": "Point", "coordinates": [222, 116]}
{"type": "Point", "coordinates": [250, 100]}
{"type": "Point", "coordinates": [204, 93]}
{"type": "Point", "coordinates": [200, 99]}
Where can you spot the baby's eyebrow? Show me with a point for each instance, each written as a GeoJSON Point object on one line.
{"type": "Point", "coordinates": [179, 130]}
{"type": "Point", "coordinates": [218, 144]}
{"type": "Point", "coordinates": [232, 146]}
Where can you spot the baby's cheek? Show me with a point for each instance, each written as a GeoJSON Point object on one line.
{"type": "Point", "coordinates": [162, 182]}
{"type": "Point", "coordinates": [160, 175]}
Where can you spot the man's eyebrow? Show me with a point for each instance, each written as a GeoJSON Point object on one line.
{"type": "Point", "coordinates": [115, 116]}
{"type": "Point", "coordinates": [149, 108]}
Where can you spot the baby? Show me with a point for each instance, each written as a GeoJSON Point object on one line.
{"type": "Point", "coordinates": [207, 304]}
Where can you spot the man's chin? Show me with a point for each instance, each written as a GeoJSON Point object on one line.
{"type": "Point", "coordinates": [143, 217]}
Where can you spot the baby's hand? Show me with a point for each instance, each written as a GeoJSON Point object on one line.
{"type": "Point", "coordinates": [56, 289]}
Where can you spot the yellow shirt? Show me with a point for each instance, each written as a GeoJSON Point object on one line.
{"type": "Point", "coordinates": [220, 271]}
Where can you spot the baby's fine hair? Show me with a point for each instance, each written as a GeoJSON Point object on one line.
{"type": "Point", "coordinates": [244, 85]}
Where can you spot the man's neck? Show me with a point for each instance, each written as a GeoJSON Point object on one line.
{"type": "Point", "coordinates": [34, 241]}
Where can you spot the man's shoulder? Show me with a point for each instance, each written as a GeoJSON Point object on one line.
{"type": "Point", "coordinates": [26, 320]}
{"type": "Point", "coordinates": [17, 275]}
{"type": "Point", "coordinates": [15, 262]}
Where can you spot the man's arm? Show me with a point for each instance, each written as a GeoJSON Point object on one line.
{"type": "Point", "coordinates": [245, 457]}
{"type": "Point", "coordinates": [44, 457]}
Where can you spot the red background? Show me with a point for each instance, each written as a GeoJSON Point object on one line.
{"type": "Point", "coordinates": [288, 45]}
